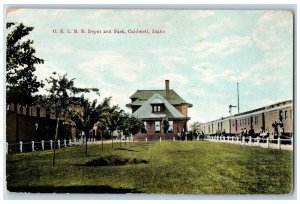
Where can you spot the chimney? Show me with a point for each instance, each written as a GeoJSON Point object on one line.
{"type": "Point", "coordinates": [167, 88]}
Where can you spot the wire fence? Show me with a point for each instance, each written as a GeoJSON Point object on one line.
{"type": "Point", "coordinates": [31, 146]}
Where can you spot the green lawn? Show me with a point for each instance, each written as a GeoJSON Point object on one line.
{"type": "Point", "coordinates": [173, 168]}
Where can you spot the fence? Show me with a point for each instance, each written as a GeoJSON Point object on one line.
{"type": "Point", "coordinates": [20, 147]}
{"type": "Point", "coordinates": [258, 141]}
{"type": "Point", "coordinates": [278, 143]}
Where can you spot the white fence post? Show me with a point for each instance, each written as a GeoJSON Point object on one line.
{"type": "Point", "coordinates": [279, 143]}
{"type": "Point", "coordinates": [243, 140]}
{"type": "Point", "coordinates": [6, 147]}
{"type": "Point", "coordinates": [65, 143]}
{"type": "Point", "coordinates": [292, 142]}
{"type": "Point", "coordinates": [42, 144]}
{"type": "Point", "coordinates": [159, 139]}
{"type": "Point", "coordinates": [70, 142]}
{"type": "Point", "coordinates": [237, 140]}
{"type": "Point", "coordinates": [51, 144]}
{"type": "Point", "coordinates": [268, 143]}
{"type": "Point", "coordinates": [257, 141]}
{"type": "Point", "coordinates": [146, 139]}
{"type": "Point", "coordinates": [197, 137]}
{"type": "Point", "coordinates": [58, 144]}
{"type": "Point", "coordinates": [173, 139]}
{"type": "Point", "coordinates": [250, 140]}
{"type": "Point", "coordinates": [32, 145]}
{"type": "Point", "coordinates": [21, 146]}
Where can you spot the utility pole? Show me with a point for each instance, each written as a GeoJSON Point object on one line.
{"type": "Point", "coordinates": [238, 97]}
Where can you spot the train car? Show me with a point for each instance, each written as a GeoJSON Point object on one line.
{"type": "Point", "coordinates": [221, 125]}
{"type": "Point", "coordinates": [260, 118]}
{"type": "Point", "coordinates": [281, 113]}
{"type": "Point", "coordinates": [251, 119]}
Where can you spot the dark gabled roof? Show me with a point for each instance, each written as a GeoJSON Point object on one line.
{"type": "Point", "coordinates": [143, 95]}
{"type": "Point", "coordinates": [145, 111]}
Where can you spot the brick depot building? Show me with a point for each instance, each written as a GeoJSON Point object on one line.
{"type": "Point", "coordinates": [151, 106]}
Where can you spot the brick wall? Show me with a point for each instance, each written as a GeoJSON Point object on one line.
{"type": "Point", "coordinates": [27, 127]}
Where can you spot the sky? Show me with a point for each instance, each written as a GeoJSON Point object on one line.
{"type": "Point", "coordinates": [204, 53]}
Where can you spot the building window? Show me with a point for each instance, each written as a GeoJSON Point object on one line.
{"type": "Point", "coordinates": [280, 115]}
{"type": "Point", "coordinates": [144, 129]}
{"type": "Point", "coordinates": [248, 121]}
{"type": "Point", "coordinates": [157, 126]}
{"type": "Point", "coordinates": [256, 120]}
{"type": "Point", "coordinates": [286, 115]}
{"type": "Point", "coordinates": [170, 130]}
{"type": "Point", "coordinates": [157, 108]}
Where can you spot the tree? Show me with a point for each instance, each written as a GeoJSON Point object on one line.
{"type": "Point", "coordinates": [165, 124]}
{"type": "Point", "coordinates": [61, 95]}
{"type": "Point", "coordinates": [103, 111]}
{"type": "Point", "coordinates": [195, 126]}
{"type": "Point", "coordinates": [112, 121]}
{"type": "Point", "coordinates": [21, 83]}
{"type": "Point", "coordinates": [85, 116]}
{"type": "Point", "coordinates": [132, 125]}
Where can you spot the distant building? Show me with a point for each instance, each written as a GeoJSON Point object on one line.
{"type": "Point", "coordinates": [151, 106]}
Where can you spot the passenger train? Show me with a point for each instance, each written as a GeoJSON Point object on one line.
{"type": "Point", "coordinates": [266, 118]}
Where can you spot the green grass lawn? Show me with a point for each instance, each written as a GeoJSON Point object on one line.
{"type": "Point", "coordinates": [173, 168]}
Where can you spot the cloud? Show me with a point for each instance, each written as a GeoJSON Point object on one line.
{"type": "Point", "coordinates": [171, 61]}
{"type": "Point", "coordinates": [216, 27]}
{"type": "Point", "coordinates": [269, 69]}
{"type": "Point", "coordinates": [211, 73]}
{"type": "Point", "coordinates": [121, 67]}
{"type": "Point", "coordinates": [98, 13]}
{"type": "Point", "coordinates": [175, 79]}
{"type": "Point", "coordinates": [202, 14]}
{"type": "Point", "coordinates": [227, 46]}
{"type": "Point", "coordinates": [274, 30]}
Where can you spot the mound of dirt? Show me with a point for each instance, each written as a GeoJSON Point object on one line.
{"type": "Point", "coordinates": [114, 161]}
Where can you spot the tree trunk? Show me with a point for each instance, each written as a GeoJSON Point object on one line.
{"type": "Point", "coordinates": [112, 140]}
{"type": "Point", "coordinates": [101, 140]}
{"type": "Point", "coordinates": [86, 135]}
{"type": "Point", "coordinates": [55, 137]}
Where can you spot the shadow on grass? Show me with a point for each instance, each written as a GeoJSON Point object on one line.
{"type": "Point", "coordinates": [130, 150]}
{"type": "Point", "coordinates": [70, 189]}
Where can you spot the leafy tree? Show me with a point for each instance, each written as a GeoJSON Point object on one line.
{"type": "Point", "coordinates": [195, 126]}
{"type": "Point", "coordinates": [61, 96]}
{"type": "Point", "coordinates": [103, 111]}
{"type": "Point", "coordinates": [165, 124]}
{"type": "Point", "coordinates": [132, 125]}
{"type": "Point", "coordinates": [21, 83]}
{"type": "Point", "coordinates": [112, 121]}
{"type": "Point", "coordinates": [85, 116]}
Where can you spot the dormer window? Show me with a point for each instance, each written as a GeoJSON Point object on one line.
{"type": "Point", "coordinates": [157, 108]}
{"type": "Point", "coordinates": [157, 105]}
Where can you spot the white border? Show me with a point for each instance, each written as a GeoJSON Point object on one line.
{"type": "Point", "coordinates": [179, 4]}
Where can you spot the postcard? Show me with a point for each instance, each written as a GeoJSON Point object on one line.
{"type": "Point", "coordinates": [149, 101]}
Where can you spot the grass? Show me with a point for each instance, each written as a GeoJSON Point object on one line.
{"type": "Point", "coordinates": [172, 168]}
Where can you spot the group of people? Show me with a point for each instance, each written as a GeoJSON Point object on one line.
{"type": "Point", "coordinates": [183, 135]}
{"type": "Point", "coordinates": [264, 133]}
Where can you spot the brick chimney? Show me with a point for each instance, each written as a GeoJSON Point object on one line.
{"type": "Point", "coordinates": [167, 88]}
